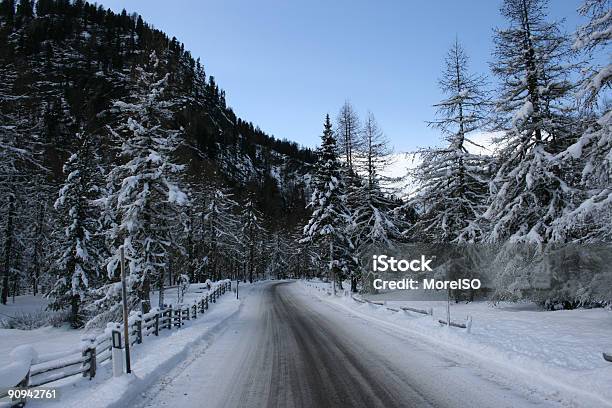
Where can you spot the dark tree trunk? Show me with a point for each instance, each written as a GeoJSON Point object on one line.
{"type": "Point", "coordinates": [75, 319]}
{"type": "Point", "coordinates": [251, 264]}
{"type": "Point", "coordinates": [8, 247]}
{"type": "Point", "coordinates": [144, 295]}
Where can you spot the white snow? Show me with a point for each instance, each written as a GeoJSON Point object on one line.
{"type": "Point", "coordinates": [560, 350]}
{"type": "Point", "coordinates": [150, 360]}
{"type": "Point", "coordinates": [13, 373]}
{"type": "Point", "coordinates": [234, 367]}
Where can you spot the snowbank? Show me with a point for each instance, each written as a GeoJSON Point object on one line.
{"type": "Point", "coordinates": [560, 349]}
{"type": "Point", "coordinates": [150, 360]}
{"type": "Point", "coordinates": [13, 373]}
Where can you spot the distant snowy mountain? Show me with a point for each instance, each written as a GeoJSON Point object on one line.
{"type": "Point", "coordinates": [399, 171]}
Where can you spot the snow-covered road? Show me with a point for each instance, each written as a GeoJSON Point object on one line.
{"type": "Point", "coordinates": [286, 348]}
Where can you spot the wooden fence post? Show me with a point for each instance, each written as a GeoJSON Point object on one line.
{"type": "Point", "coordinates": [206, 301]}
{"type": "Point", "coordinates": [195, 311]}
{"type": "Point", "coordinates": [170, 318]}
{"type": "Point", "coordinates": [139, 328]}
{"type": "Point", "coordinates": [90, 353]}
{"type": "Point", "coordinates": [180, 316]}
{"type": "Point", "coordinates": [157, 323]}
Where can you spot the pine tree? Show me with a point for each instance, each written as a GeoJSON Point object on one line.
{"type": "Point", "coordinates": [145, 194]}
{"type": "Point", "coordinates": [373, 222]}
{"type": "Point", "coordinates": [221, 236]}
{"type": "Point", "coordinates": [251, 228]}
{"type": "Point", "coordinates": [529, 190]}
{"type": "Point", "coordinates": [19, 166]}
{"type": "Point", "coordinates": [452, 181]}
{"type": "Point", "coordinates": [594, 36]}
{"type": "Point", "coordinates": [328, 223]}
{"type": "Point", "coordinates": [82, 252]}
{"type": "Point", "coordinates": [590, 217]}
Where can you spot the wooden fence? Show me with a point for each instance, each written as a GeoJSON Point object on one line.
{"type": "Point", "coordinates": [97, 349]}
{"type": "Point", "coordinates": [467, 325]}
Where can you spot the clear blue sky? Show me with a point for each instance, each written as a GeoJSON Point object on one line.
{"type": "Point", "coordinates": [285, 64]}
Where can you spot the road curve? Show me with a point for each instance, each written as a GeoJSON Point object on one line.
{"type": "Point", "coordinates": [287, 349]}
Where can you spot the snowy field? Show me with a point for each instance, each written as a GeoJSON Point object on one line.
{"type": "Point", "coordinates": [44, 340]}
{"type": "Point", "coordinates": [562, 349]}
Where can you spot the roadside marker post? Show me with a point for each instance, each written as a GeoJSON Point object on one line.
{"type": "Point", "coordinates": [126, 329]}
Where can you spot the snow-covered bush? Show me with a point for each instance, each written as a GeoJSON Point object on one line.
{"type": "Point", "coordinates": [35, 320]}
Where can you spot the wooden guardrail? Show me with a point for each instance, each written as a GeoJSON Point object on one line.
{"type": "Point", "coordinates": [95, 350]}
{"type": "Point", "coordinates": [429, 312]}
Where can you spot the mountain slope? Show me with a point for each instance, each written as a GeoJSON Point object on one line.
{"type": "Point", "coordinates": [65, 62]}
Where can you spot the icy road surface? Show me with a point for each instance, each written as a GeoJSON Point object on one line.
{"type": "Point", "coordinates": [286, 348]}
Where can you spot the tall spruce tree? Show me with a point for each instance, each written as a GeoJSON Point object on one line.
{"type": "Point", "coordinates": [250, 233]}
{"type": "Point", "coordinates": [145, 188]}
{"type": "Point", "coordinates": [221, 232]}
{"type": "Point", "coordinates": [373, 222]}
{"type": "Point", "coordinates": [20, 165]}
{"type": "Point", "coordinates": [452, 182]}
{"type": "Point", "coordinates": [589, 220]}
{"type": "Point", "coordinates": [529, 190]}
{"type": "Point", "coordinates": [593, 37]}
{"type": "Point", "coordinates": [81, 257]}
{"type": "Point", "coordinates": [329, 221]}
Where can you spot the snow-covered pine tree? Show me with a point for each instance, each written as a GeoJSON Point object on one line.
{"type": "Point", "coordinates": [592, 37]}
{"type": "Point", "coordinates": [452, 182]}
{"type": "Point", "coordinates": [221, 234]}
{"type": "Point", "coordinates": [302, 253]}
{"type": "Point", "coordinates": [145, 189]}
{"type": "Point", "coordinates": [373, 222]}
{"type": "Point", "coordinates": [281, 252]}
{"type": "Point", "coordinates": [250, 232]}
{"type": "Point", "coordinates": [329, 222]}
{"type": "Point", "coordinates": [77, 268]}
{"type": "Point", "coordinates": [529, 190]}
{"type": "Point", "coordinates": [19, 165]}
{"type": "Point", "coordinates": [589, 220]}
{"type": "Point", "coordinates": [40, 248]}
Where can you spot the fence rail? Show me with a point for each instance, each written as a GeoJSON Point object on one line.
{"type": "Point", "coordinates": [467, 325]}
{"type": "Point", "coordinates": [97, 349]}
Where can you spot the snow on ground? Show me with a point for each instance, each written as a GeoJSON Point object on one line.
{"type": "Point", "coordinates": [44, 340]}
{"type": "Point", "coordinates": [48, 339]}
{"type": "Point", "coordinates": [150, 360]}
{"type": "Point", "coordinates": [562, 348]}
{"type": "Point", "coordinates": [23, 304]}
{"type": "Point", "coordinates": [287, 347]}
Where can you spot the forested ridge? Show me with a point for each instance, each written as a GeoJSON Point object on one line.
{"type": "Point", "coordinates": [66, 66]}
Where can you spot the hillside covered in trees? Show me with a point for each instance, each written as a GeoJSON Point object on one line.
{"type": "Point", "coordinates": [71, 76]}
